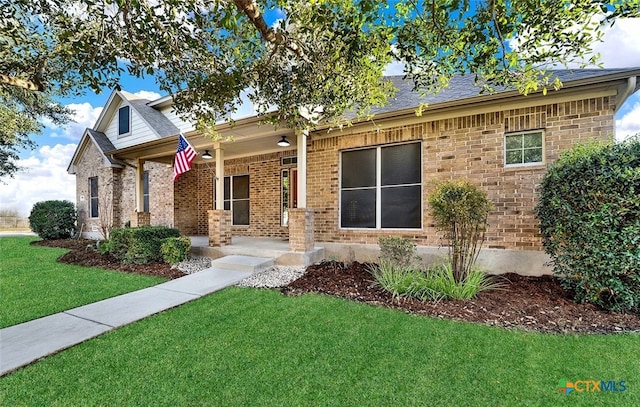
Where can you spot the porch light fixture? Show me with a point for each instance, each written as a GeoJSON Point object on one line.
{"type": "Point", "coordinates": [206, 155]}
{"type": "Point", "coordinates": [284, 142]}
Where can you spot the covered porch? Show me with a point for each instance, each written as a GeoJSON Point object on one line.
{"type": "Point", "coordinates": [236, 188]}
{"type": "Point", "coordinates": [276, 248]}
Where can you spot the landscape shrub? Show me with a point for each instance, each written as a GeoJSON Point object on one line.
{"type": "Point", "coordinates": [53, 219]}
{"type": "Point", "coordinates": [433, 284]}
{"type": "Point", "coordinates": [140, 245]}
{"type": "Point", "coordinates": [460, 211]}
{"type": "Point", "coordinates": [399, 251]}
{"type": "Point", "coordinates": [175, 249]}
{"type": "Point", "coordinates": [589, 212]}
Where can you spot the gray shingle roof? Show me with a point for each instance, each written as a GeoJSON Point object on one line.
{"type": "Point", "coordinates": [463, 87]}
{"type": "Point", "coordinates": [103, 142]}
{"type": "Point", "coordinates": [156, 120]}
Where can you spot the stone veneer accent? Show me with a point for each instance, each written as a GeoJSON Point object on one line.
{"type": "Point", "coordinates": [301, 230]}
{"type": "Point", "coordinates": [219, 228]}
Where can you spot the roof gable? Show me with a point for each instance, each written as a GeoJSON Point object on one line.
{"type": "Point", "coordinates": [101, 142]}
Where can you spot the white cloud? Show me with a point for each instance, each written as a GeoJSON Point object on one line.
{"type": "Point", "coordinates": [629, 123]}
{"type": "Point", "coordinates": [84, 115]}
{"type": "Point", "coordinates": [620, 47]}
{"type": "Point", "coordinates": [144, 94]}
{"type": "Point", "coordinates": [44, 177]}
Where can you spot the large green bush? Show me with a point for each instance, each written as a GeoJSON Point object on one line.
{"type": "Point", "coordinates": [53, 219]}
{"type": "Point", "coordinates": [589, 212]}
{"type": "Point", "coordinates": [140, 245]}
{"type": "Point", "coordinates": [460, 209]}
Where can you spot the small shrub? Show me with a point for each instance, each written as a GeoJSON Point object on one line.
{"type": "Point", "coordinates": [399, 251]}
{"type": "Point", "coordinates": [394, 279]}
{"type": "Point", "coordinates": [589, 212]}
{"type": "Point", "coordinates": [103, 246]}
{"type": "Point", "coordinates": [460, 210]}
{"type": "Point", "coordinates": [53, 219]}
{"type": "Point", "coordinates": [175, 249]}
{"type": "Point", "coordinates": [140, 245]}
{"type": "Point", "coordinates": [441, 279]}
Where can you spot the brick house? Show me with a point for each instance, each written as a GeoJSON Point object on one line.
{"type": "Point", "coordinates": [333, 192]}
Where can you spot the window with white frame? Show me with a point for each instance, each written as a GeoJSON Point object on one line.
{"type": "Point", "coordinates": [93, 197]}
{"type": "Point", "coordinates": [236, 198]}
{"type": "Point", "coordinates": [524, 148]}
{"type": "Point", "coordinates": [381, 187]}
{"type": "Point", "coordinates": [124, 120]}
{"type": "Point", "coordinates": [145, 191]}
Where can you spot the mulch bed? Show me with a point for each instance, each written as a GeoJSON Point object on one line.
{"type": "Point", "coordinates": [83, 253]}
{"type": "Point", "coordinates": [529, 303]}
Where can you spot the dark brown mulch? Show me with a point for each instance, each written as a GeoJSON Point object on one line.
{"type": "Point", "coordinates": [529, 303]}
{"type": "Point", "coordinates": [84, 253]}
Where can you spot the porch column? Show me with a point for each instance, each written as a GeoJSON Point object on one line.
{"type": "Point", "coordinates": [139, 217]}
{"type": "Point", "coordinates": [219, 220]}
{"type": "Point", "coordinates": [219, 176]}
{"type": "Point", "coordinates": [301, 219]}
{"type": "Point", "coordinates": [219, 227]}
{"type": "Point", "coordinates": [301, 141]}
{"type": "Point", "coordinates": [301, 230]}
{"type": "Point", "coordinates": [139, 185]}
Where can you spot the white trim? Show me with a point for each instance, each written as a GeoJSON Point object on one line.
{"type": "Point", "coordinates": [529, 164]}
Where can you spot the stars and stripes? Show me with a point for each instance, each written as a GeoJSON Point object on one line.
{"type": "Point", "coordinates": [184, 156]}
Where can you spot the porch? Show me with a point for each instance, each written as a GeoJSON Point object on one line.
{"type": "Point", "coordinates": [277, 249]}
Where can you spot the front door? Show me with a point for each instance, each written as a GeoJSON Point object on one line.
{"type": "Point", "coordinates": [289, 193]}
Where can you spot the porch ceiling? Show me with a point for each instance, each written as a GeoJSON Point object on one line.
{"type": "Point", "coordinates": [241, 140]}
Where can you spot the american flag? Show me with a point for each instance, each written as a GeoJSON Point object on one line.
{"type": "Point", "coordinates": [184, 156]}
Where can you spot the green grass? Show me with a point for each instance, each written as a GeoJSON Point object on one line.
{"type": "Point", "coordinates": [256, 347]}
{"type": "Point", "coordinates": [33, 284]}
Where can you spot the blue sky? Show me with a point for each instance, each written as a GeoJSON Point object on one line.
{"type": "Point", "coordinates": [44, 176]}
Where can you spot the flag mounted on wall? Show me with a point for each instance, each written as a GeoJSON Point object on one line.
{"type": "Point", "coordinates": [184, 156]}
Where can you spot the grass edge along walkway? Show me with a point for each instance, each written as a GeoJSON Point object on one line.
{"type": "Point", "coordinates": [245, 346]}
{"type": "Point", "coordinates": [33, 284]}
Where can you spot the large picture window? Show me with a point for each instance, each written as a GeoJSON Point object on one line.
{"type": "Point", "coordinates": [524, 148]}
{"type": "Point", "coordinates": [236, 198]}
{"type": "Point", "coordinates": [381, 187]}
{"type": "Point", "coordinates": [93, 197]}
{"type": "Point", "coordinates": [124, 120]}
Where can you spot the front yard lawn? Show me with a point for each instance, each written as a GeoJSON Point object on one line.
{"type": "Point", "coordinates": [33, 284]}
{"type": "Point", "coordinates": [243, 346]}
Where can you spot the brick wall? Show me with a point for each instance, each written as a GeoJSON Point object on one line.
{"type": "Point", "coordinates": [466, 147]}
{"type": "Point", "coordinates": [195, 195]}
{"type": "Point", "coordinates": [91, 164]}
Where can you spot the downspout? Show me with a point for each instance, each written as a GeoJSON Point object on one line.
{"type": "Point", "coordinates": [624, 94]}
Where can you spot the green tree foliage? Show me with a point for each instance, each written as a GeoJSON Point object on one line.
{"type": "Point", "coordinates": [460, 211]}
{"type": "Point", "coordinates": [319, 59]}
{"type": "Point", "coordinates": [589, 213]}
{"type": "Point", "coordinates": [53, 219]}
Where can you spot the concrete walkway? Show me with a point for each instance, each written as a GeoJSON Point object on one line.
{"type": "Point", "coordinates": [28, 342]}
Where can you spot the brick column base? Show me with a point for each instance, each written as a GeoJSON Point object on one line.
{"type": "Point", "coordinates": [140, 219]}
{"type": "Point", "coordinates": [219, 227]}
{"type": "Point", "coordinates": [301, 230]}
